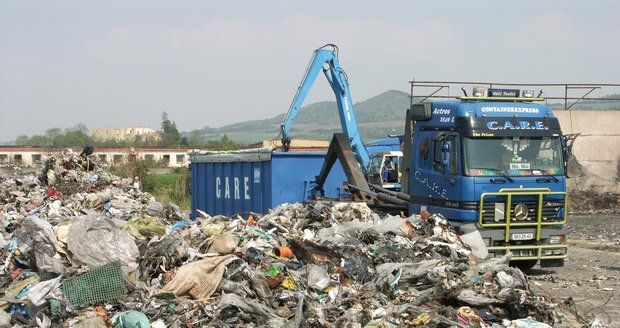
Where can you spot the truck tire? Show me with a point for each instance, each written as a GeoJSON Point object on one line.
{"type": "Point", "coordinates": [525, 265]}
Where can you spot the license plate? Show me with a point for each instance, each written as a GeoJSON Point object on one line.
{"type": "Point", "coordinates": [519, 166]}
{"type": "Point", "coordinates": [522, 236]}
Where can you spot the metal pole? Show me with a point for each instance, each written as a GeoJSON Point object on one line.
{"type": "Point", "coordinates": [565, 96]}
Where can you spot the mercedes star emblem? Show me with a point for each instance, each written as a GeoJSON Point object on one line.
{"type": "Point", "coordinates": [521, 212]}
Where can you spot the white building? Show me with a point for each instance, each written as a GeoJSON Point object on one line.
{"type": "Point", "coordinates": [30, 156]}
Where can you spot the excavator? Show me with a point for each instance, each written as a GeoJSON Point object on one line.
{"type": "Point", "coordinates": [382, 169]}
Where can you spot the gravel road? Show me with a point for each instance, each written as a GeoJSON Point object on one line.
{"type": "Point", "coordinates": [588, 286]}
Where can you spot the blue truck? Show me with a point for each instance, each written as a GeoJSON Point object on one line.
{"type": "Point", "coordinates": [493, 161]}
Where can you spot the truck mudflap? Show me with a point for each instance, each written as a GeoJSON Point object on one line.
{"type": "Point", "coordinates": [527, 222]}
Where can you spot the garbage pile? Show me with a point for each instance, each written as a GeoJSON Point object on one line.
{"type": "Point", "coordinates": [84, 248]}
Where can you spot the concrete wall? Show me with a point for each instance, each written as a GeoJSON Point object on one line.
{"type": "Point", "coordinates": [597, 149]}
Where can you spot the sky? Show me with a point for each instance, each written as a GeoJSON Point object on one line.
{"type": "Point", "coordinates": [209, 63]}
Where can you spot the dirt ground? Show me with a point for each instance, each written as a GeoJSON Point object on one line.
{"type": "Point", "coordinates": [588, 286]}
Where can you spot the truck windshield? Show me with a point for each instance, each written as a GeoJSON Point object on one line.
{"type": "Point", "coordinates": [513, 156]}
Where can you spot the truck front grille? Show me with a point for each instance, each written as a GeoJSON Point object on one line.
{"type": "Point", "coordinates": [494, 211]}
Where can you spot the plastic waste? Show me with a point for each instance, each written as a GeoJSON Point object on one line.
{"type": "Point", "coordinates": [473, 239]}
{"type": "Point", "coordinates": [527, 323]}
{"type": "Point", "coordinates": [95, 322]}
{"type": "Point", "coordinates": [144, 227]}
{"type": "Point", "coordinates": [155, 209]}
{"type": "Point", "coordinates": [348, 266]}
{"type": "Point", "coordinates": [224, 244]}
{"type": "Point", "coordinates": [95, 240]}
{"type": "Point", "coordinates": [130, 319]}
{"type": "Point", "coordinates": [5, 319]}
{"type": "Point", "coordinates": [472, 298]}
{"type": "Point", "coordinates": [318, 278]}
{"type": "Point", "coordinates": [39, 293]}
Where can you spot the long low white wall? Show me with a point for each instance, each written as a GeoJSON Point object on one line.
{"type": "Point", "coordinates": [32, 156]}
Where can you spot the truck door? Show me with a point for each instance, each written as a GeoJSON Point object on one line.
{"type": "Point", "coordinates": [445, 174]}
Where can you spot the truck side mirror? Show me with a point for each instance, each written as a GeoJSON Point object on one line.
{"type": "Point", "coordinates": [420, 112]}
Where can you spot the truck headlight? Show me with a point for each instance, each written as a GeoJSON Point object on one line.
{"type": "Point", "coordinates": [559, 251]}
{"type": "Point", "coordinates": [557, 239]}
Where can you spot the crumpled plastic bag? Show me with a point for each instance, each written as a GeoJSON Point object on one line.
{"type": "Point", "coordinates": [472, 298]}
{"type": "Point", "coordinates": [391, 224]}
{"type": "Point", "coordinates": [5, 319]}
{"type": "Point", "coordinates": [255, 308]}
{"type": "Point", "coordinates": [318, 278]}
{"type": "Point", "coordinates": [130, 319]}
{"type": "Point", "coordinates": [527, 323]}
{"type": "Point", "coordinates": [155, 209]}
{"type": "Point", "coordinates": [506, 280]}
{"type": "Point", "coordinates": [39, 293]}
{"type": "Point", "coordinates": [158, 324]}
{"type": "Point", "coordinates": [144, 227]}
{"type": "Point", "coordinates": [409, 272]}
{"type": "Point", "coordinates": [96, 240]}
{"type": "Point", "coordinates": [346, 211]}
{"type": "Point", "coordinates": [224, 244]}
{"type": "Point", "coordinates": [213, 229]}
{"type": "Point", "coordinates": [45, 246]}
{"type": "Point", "coordinates": [348, 228]}
{"type": "Point", "coordinates": [473, 239]}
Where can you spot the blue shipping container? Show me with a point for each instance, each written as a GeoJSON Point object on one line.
{"type": "Point", "coordinates": [256, 180]}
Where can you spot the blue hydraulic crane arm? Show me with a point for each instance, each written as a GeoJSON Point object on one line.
{"type": "Point", "coordinates": [326, 59]}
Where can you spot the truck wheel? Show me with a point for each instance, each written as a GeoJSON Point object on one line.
{"type": "Point", "coordinates": [525, 265]}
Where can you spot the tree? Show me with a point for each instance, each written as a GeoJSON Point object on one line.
{"type": "Point", "coordinates": [76, 136]}
{"type": "Point", "coordinates": [170, 134]}
{"type": "Point", "coordinates": [184, 142]}
{"type": "Point", "coordinates": [225, 143]}
{"type": "Point", "coordinates": [196, 139]}
{"type": "Point", "coordinates": [53, 136]}
{"type": "Point", "coordinates": [22, 140]}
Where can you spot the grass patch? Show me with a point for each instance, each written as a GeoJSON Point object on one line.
{"type": "Point", "coordinates": [169, 187]}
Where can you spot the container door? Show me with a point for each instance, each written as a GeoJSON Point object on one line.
{"type": "Point", "coordinates": [230, 187]}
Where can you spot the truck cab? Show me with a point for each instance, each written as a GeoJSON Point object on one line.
{"type": "Point", "coordinates": [496, 164]}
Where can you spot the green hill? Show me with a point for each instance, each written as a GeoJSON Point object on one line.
{"type": "Point", "coordinates": [378, 116]}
